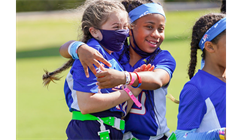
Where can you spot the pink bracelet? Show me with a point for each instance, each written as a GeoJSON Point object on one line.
{"type": "Point", "coordinates": [132, 75]}
{"type": "Point", "coordinates": [131, 95]}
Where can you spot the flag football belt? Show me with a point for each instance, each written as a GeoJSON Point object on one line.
{"type": "Point", "coordinates": [112, 121]}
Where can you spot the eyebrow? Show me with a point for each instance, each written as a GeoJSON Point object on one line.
{"type": "Point", "coordinates": [115, 23]}
{"type": "Point", "coordinates": [154, 23]}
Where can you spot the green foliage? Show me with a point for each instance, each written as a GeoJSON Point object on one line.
{"type": "Point", "coordinates": [46, 5]}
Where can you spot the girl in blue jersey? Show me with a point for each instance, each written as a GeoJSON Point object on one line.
{"type": "Point", "coordinates": [146, 35]}
{"type": "Point", "coordinates": [202, 108]}
{"type": "Point", "coordinates": [97, 112]}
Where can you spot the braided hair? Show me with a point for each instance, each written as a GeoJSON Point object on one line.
{"type": "Point", "coordinates": [96, 14]}
{"type": "Point", "coordinates": [199, 29]}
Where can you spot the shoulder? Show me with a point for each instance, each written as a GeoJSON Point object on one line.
{"type": "Point", "coordinates": [208, 85]}
{"type": "Point", "coordinates": [166, 55]}
{"type": "Point", "coordinates": [190, 92]}
{"type": "Point", "coordinates": [164, 60]}
{"type": "Point", "coordinates": [95, 44]}
{"type": "Point", "coordinates": [191, 107]}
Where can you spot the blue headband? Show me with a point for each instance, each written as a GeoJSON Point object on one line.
{"type": "Point", "coordinates": [144, 9]}
{"type": "Point", "coordinates": [212, 32]}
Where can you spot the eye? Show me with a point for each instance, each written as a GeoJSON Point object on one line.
{"type": "Point", "coordinates": [160, 29]}
{"type": "Point", "coordinates": [149, 27]}
{"type": "Point", "coordinates": [116, 27]}
{"type": "Point", "coordinates": [125, 26]}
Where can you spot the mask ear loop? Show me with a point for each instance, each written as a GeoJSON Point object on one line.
{"type": "Point", "coordinates": [133, 40]}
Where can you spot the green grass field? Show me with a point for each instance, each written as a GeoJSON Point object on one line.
{"type": "Point", "coordinates": [42, 113]}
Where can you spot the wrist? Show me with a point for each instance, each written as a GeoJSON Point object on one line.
{"type": "Point", "coordinates": [139, 80]}
{"type": "Point", "coordinates": [132, 78]}
{"type": "Point", "coordinates": [131, 95]}
{"type": "Point", "coordinates": [73, 47]}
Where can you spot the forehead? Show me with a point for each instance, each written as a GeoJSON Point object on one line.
{"type": "Point", "coordinates": [118, 16]}
{"type": "Point", "coordinates": [155, 18]}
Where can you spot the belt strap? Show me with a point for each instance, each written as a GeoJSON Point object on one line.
{"type": "Point", "coordinates": [112, 121]}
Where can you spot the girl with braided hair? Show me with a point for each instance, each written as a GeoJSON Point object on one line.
{"type": "Point", "coordinates": [97, 113]}
{"type": "Point", "coordinates": [143, 47]}
{"type": "Point", "coordinates": [202, 108]}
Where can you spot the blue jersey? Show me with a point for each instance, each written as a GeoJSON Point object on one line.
{"type": "Point", "coordinates": [202, 103]}
{"type": "Point", "coordinates": [149, 122]}
{"type": "Point", "coordinates": [77, 81]}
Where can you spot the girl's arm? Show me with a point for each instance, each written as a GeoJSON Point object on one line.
{"type": "Point", "coordinates": [92, 103]}
{"type": "Point", "coordinates": [151, 80]}
{"type": "Point", "coordinates": [63, 50]}
{"type": "Point", "coordinates": [87, 56]}
{"type": "Point", "coordinates": [192, 135]}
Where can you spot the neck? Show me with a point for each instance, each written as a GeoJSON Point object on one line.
{"type": "Point", "coordinates": [215, 70]}
{"type": "Point", "coordinates": [134, 57]}
{"type": "Point", "coordinates": [108, 51]}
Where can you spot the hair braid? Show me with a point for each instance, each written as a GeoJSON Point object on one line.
{"type": "Point", "coordinates": [96, 13]}
{"type": "Point", "coordinates": [193, 61]}
{"type": "Point", "coordinates": [199, 29]}
{"type": "Point", "coordinates": [51, 76]}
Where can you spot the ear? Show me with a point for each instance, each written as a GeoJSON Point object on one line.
{"type": "Point", "coordinates": [209, 47]}
{"type": "Point", "coordinates": [95, 33]}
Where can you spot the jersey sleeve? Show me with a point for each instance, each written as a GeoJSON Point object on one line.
{"type": "Point", "coordinates": [164, 60]}
{"type": "Point", "coordinates": [192, 135]}
{"type": "Point", "coordinates": [80, 82]}
{"type": "Point", "coordinates": [192, 108]}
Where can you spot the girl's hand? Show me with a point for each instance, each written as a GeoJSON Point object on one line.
{"type": "Point", "coordinates": [109, 78]}
{"type": "Point", "coordinates": [89, 57]}
{"type": "Point", "coordinates": [145, 67]}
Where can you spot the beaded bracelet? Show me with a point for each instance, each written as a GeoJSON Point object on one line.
{"type": "Point", "coordinates": [127, 77]}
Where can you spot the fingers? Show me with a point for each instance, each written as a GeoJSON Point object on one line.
{"type": "Point", "coordinates": [147, 67]}
{"type": "Point", "coordinates": [103, 82]}
{"type": "Point", "coordinates": [104, 61]}
{"type": "Point", "coordinates": [102, 67]}
{"type": "Point", "coordinates": [142, 68]}
{"type": "Point", "coordinates": [152, 68]}
{"type": "Point", "coordinates": [100, 58]}
{"type": "Point", "coordinates": [92, 68]}
{"type": "Point", "coordinates": [86, 70]}
{"type": "Point", "coordinates": [101, 74]}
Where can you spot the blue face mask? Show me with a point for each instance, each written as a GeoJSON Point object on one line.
{"type": "Point", "coordinates": [113, 40]}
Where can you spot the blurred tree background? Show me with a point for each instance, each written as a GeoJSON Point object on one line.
{"type": "Point", "coordinates": [50, 5]}
{"type": "Point", "coordinates": [46, 5]}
